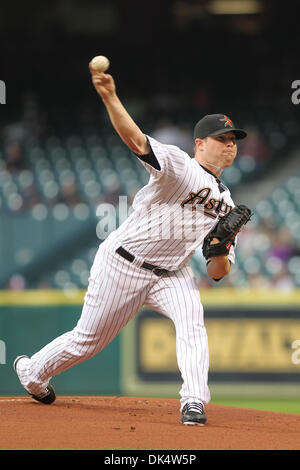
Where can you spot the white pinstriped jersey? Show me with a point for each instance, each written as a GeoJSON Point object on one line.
{"type": "Point", "coordinates": [174, 212]}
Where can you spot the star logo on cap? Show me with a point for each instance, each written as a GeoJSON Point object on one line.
{"type": "Point", "coordinates": [227, 121]}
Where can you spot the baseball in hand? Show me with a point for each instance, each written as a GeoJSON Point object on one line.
{"type": "Point", "coordinates": [100, 63]}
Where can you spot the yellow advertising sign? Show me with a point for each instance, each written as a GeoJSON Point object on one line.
{"type": "Point", "coordinates": [235, 344]}
{"type": "Point", "coordinates": [252, 345]}
{"type": "Point", "coordinates": [158, 345]}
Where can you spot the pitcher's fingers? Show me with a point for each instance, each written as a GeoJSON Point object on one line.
{"type": "Point", "coordinates": [98, 77]}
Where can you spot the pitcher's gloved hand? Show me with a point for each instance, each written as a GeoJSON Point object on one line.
{"type": "Point", "coordinates": [225, 231]}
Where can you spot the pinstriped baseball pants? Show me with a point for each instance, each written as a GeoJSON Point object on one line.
{"type": "Point", "coordinates": [117, 290]}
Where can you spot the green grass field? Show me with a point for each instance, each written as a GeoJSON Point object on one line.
{"type": "Point", "coordinates": [283, 405]}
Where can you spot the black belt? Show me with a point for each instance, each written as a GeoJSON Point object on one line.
{"type": "Point", "coordinates": [156, 270]}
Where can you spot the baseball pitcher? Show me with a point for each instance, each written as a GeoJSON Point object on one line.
{"type": "Point", "coordinates": [146, 260]}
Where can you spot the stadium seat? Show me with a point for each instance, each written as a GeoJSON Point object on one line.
{"type": "Point", "coordinates": [98, 166]}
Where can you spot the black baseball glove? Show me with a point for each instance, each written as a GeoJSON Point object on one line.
{"type": "Point", "coordinates": [225, 231]}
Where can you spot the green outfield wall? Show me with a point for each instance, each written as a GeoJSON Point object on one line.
{"type": "Point", "coordinates": [30, 320]}
{"type": "Point", "coordinates": [254, 340]}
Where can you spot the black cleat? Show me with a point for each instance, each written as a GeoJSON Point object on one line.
{"type": "Point", "coordinates": [193, 414]}
{"type": "Point", "coordinates": [48, 397]}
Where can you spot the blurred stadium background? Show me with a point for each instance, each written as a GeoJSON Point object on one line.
{"type": "Point", "coordinates": [173, 62]}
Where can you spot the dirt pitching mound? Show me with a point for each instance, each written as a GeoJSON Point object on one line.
{"type": "Point", "coordinates": [138, 423]}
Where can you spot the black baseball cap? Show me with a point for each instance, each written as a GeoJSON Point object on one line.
{"type": "Point", "coordinates": [216, 124]}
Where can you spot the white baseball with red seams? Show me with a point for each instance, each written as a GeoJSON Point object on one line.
{"type": "Point", "coordinates": [100, 63]}
{"type": "Point", "coordinates": [118, 288]}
